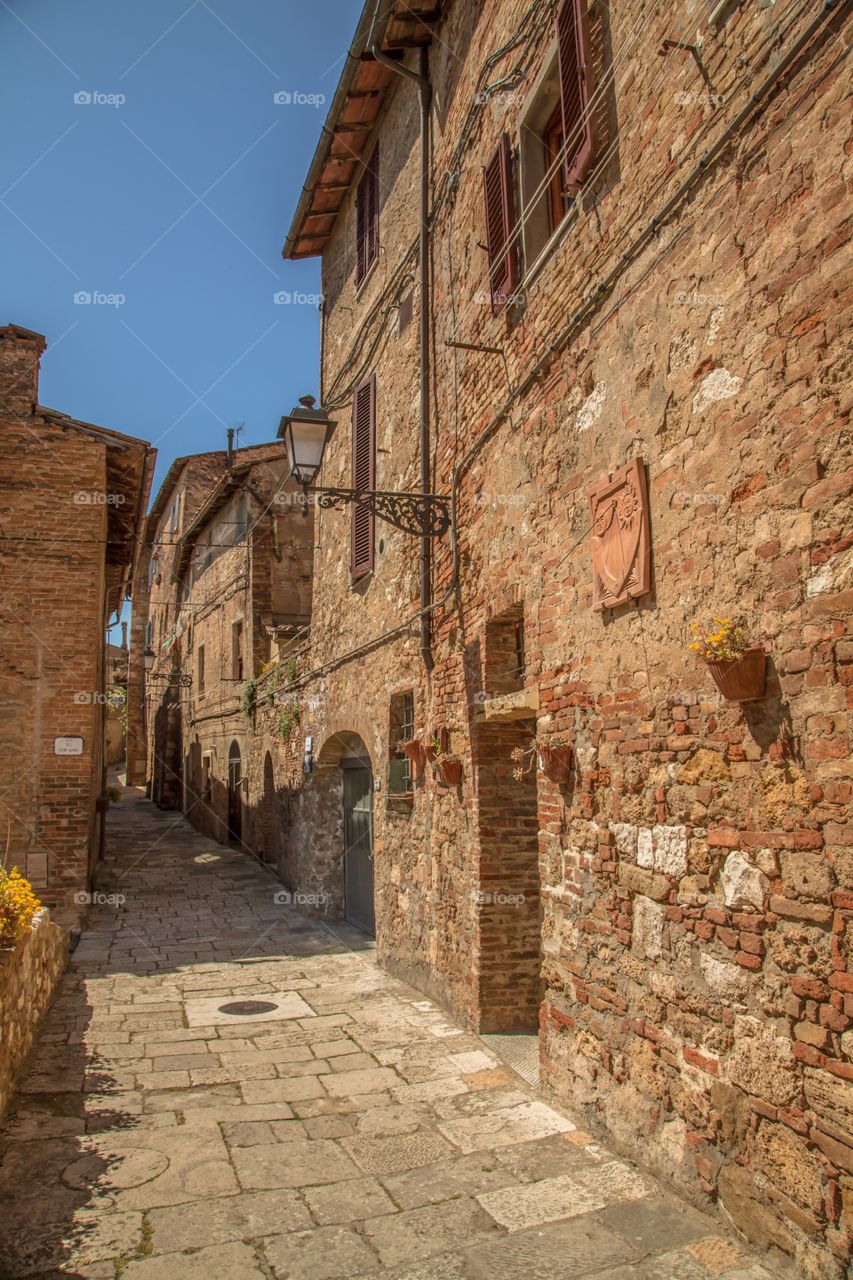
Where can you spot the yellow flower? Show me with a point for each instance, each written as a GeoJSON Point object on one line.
{"type": "Point", "coordinates": [18, 905]}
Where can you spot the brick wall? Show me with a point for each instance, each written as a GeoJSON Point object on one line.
{"type": "Point", "coordinates": [55, 514]}
{"type": "Point", "coordinates": [695, 875]}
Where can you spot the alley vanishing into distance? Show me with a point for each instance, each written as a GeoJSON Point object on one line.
{"type": "Point", "coordinates": [224, 1088]}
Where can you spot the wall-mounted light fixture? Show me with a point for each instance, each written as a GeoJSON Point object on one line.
{"type": "Point", "coordinates": [306, 430]}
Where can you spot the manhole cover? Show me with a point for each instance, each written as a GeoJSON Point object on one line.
{"type": "Point", "coordinates": [241, 1008]}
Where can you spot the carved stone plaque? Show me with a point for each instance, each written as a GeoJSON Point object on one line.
{"type": "Point", "coordinates": [621, 546]}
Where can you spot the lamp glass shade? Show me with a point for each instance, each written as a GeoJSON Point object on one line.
{"type": "Point", "coordinates": [148, 658]}
{"type": "Point", "coordinates": [306, 441]}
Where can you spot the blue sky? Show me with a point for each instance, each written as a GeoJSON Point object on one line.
{"type": "Point", "coordinates": [101, 198]}
{"type": "Point", "coordinates": [176, 199]}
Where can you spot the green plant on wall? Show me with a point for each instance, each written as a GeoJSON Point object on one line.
{"type": "Point", "coordinates": [288, 720]}
{"type": "Point", "coordinates": [250, 696]}
{"type": "Point", "coordinates": [272, 685]}
{"type": "Point", "coordinates": [290, 670]}
{"type": "Point", "coordinates": [117, 703]}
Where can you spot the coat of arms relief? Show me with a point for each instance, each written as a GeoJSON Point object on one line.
{"type": "Point", "coordinates": [621, 545]}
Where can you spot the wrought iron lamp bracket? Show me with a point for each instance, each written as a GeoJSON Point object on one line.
{"type": "Point", "coordinates": [175, 679]}
{"type": "Point", "coordinates": [425, 515]}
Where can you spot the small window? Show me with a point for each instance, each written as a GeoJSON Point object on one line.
{"type": "Point", "coordinates": [367, 218]}
{"type": "Point", "coordinates": [149, 634]}
{"type": "Point", "coordinates": [505, 662]}
{"type": "Point", "coordinates": [200, 670]}
{"type": "Point", "coordinates": [237, 651]}
{"type": "Point", "coordinates": [402, 729]}
{"type": "Point", "coordinates": [240, 519]}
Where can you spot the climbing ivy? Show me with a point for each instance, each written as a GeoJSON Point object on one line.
{"type": "Point", "coordinates": [288, 720]}
{"type": "Point", "coordinates": [250, 696]}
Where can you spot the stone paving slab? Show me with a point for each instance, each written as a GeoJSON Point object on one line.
{"type": "Point", "coordinates": [352, 1131]}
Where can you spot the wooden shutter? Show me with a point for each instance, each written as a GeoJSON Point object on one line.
{"type": "Point", "coordinates": [367, 218]}
{"type": "Point", "coordinates": [363, 474]}
{"type": "Point", "coordinates": [500, 224]}
{"type": "Point", "coordinates": [575, 75]}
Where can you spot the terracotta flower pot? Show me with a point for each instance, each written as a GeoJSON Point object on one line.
{"type": "Point", "coordinates": [555, 763]}
{"type": "Point", "coordinates": [450, 772]}
{"type": "Point", "coordinates": [740, 679]}
{"type": "Point", "coordinates": [413, 750]}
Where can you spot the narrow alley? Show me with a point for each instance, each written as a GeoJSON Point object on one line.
{"type": "Point", "coordinates": [225, 1089]}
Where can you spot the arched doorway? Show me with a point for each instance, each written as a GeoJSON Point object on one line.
{"type": "Point", "coordinates": [235, 800]}
{"type": "Point", "coordinates": [345, 759]}
{"type": "Point", "coordinates": [269, 824]}
{"type": "Point", "coordinates": [358, 844]}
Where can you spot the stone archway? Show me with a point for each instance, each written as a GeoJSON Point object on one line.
{"type": "Point", "coordinates": [344, 776]}
{"type": "Point", "coordinates": [235, 793]}
{"type": "Point", "coordinates": [269, 813]}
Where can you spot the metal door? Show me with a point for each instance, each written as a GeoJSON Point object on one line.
{"type": "Point", "coordinates": [358, 845]}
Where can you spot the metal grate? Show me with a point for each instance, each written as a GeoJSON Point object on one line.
{"type": "Point", "coordinates": [521, 1052]}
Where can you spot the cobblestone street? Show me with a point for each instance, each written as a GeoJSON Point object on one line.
{"type": "Point", "coordinates": [167, 1130]}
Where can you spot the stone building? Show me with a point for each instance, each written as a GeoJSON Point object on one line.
{"type": "Point", "coordinates": [184, 489]}
{"type": "Point", "coordinates": [72, 510]}
{"type": "Point", "coordinates": [228, 579]}
{"type": "Point", "coordinates": [630, 381]}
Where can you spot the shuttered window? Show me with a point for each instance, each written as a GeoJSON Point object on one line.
{"type": "Point", "coordinates": [500, 224]}
{"type": "Point", "coordinates": [575, 90]}
{"type": "Point", "coordinates": [363, 474]}
{"type": "Point", "coordinates": [367, 218]}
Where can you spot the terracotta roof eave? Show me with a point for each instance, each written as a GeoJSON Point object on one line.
{"type": "Point", "coordinates": [351, 66]}
{"type": "Point", "coordinates": [116, 439]}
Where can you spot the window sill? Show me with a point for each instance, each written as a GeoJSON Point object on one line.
{"type": "Point", "coordinates": [401, 800]}
{"type": "Point", "coordinates": [548, 249]}
{"type": "Point", "coordinates": [359, 288]}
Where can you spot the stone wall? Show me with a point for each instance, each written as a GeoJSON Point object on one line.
{"type": "Point", "coordinates": [695, 875]}
{"type": "Point", "coordinates": [29, 973]}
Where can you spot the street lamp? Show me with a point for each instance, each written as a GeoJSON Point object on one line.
{"type": "Point", "coordinates": [305, 431]}
{"type": "Point", "coordinates": [173, 678]}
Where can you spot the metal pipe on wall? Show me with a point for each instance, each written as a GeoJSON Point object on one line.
{"type": "Point", "coordinates": [422, 80]}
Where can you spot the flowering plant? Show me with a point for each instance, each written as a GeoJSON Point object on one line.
{"type": "Point", "coordinates": [440, 755]}
{"type": "Point", "coordinates": [726, 643]}
{"type": "Point", "coordinates": [523, 757]}
{"type": "Point", "coordinates": [18, 905]}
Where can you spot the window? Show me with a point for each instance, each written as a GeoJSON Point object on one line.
{"type": "Point", "coordinates": [559, 109]}
{"type": "Point", "coordinates": [240, 520]}
{"type": "Point", "coordinates": [559, 200]}
{"type": "Point", "coordinates": [367, 218]}
{"type": "Point", "coordinates": [402, 729]}
{"type": "Point", "coordinates": [505, 662]}
{"type": "Point", "coordinates": [200, 671]}
{"type": "Point", "coordinates": [500, 225]}
{"type": "Point", "coordinates": [175, 515]}
{"type": "Point", "coordinates": [149, 634]}
{"type": "Point", "coordinates": [237, 651]}
{"type": "Point", "coordinates": [363, 474]}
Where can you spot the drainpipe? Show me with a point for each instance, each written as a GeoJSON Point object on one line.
{"type": "Point", "coordinates": [421, 79]}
